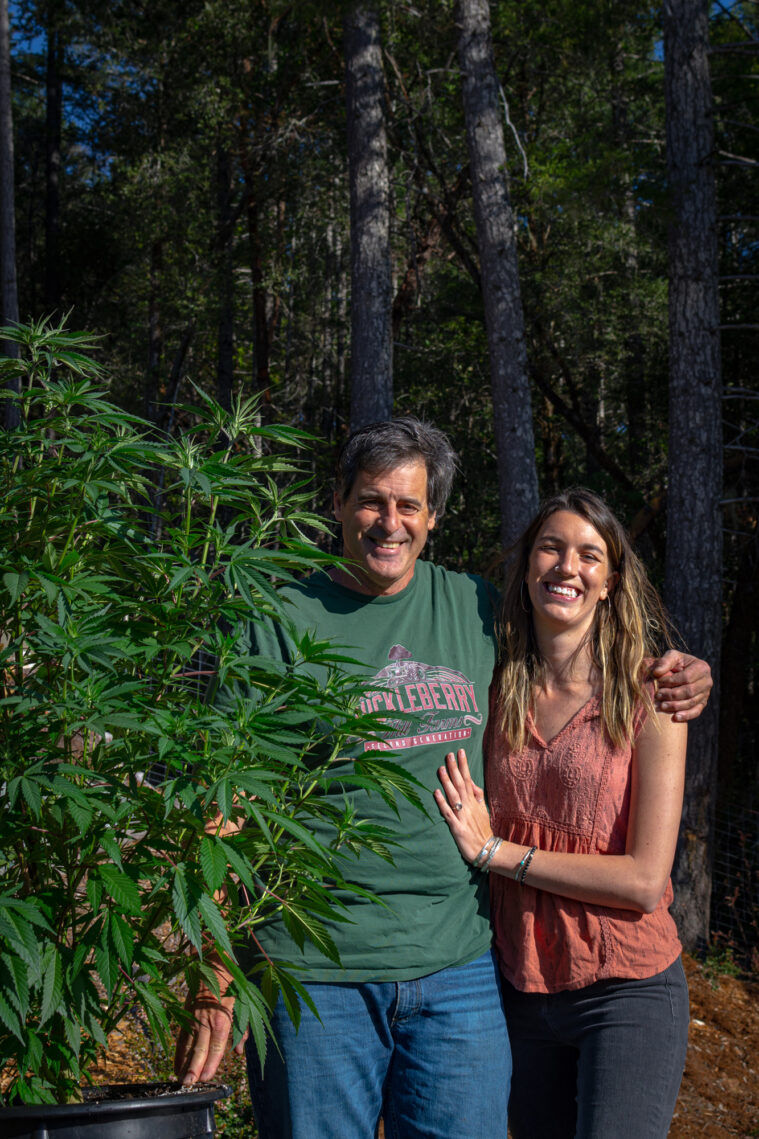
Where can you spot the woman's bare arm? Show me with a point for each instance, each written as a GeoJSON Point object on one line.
{"type": "Point", "coordinates": [634, 880]}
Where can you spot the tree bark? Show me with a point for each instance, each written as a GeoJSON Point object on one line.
{"type": "Point", "coordinates": [54, 112]}
{"type": "Point", "coordinates": [7, 214]}
{"type": "Point", "coordinates": [155, 333]}
{"type": "Point", "coordinates": [226, 320]}
{"type": "Point", "coordinates": [261, 327]}
{"type": "Point", "coordinates": [8, 286]}
{"type": "Point", "coordinates": [693, 570]}
{"type": "Point", "coordinates": [340, 398]}
{"type": "Point", "coordinates": [504, 320]}
{"type": "Point", "coordinates": [260, 319]}
{"type": "Point", "coordinates": [635, 388]}
{"type": "Point", "coordinates": [371, 286]}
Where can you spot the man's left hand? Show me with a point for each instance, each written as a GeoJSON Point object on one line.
{"type": "Point", "coordinates": [684, 684]}
{"type": "Point", "coordinates": [201, 1046]}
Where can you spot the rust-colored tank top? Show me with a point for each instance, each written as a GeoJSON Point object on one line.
{"type": "Point", "coordinates": [571, 795]}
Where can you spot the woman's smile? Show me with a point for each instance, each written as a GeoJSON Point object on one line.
{"type": "Point", "coordinates": [568, 573]}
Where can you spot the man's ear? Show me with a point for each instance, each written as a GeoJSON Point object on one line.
{"type": "Point", "coordinates": [337, 506]}
{"type": "Point", "coordinates": [432, 520]}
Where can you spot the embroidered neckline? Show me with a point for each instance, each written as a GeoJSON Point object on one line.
{"type": "Point", "coordinates": [587, 711]}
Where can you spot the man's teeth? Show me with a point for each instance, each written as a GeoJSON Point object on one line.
{"type": "Point", "coordinates": [564, 590]}
{"type": "Point", "coordinates": [387, 545]}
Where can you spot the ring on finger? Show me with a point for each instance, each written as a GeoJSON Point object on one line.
{"type": "Point", "coordinates": [458, 806]}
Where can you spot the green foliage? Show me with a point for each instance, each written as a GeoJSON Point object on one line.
{"type": "Point", "coordinates": [121, 605]}
{"type": "Point", "coordinates": [720, 962]}
{"type": "Point", "coordinates": [162, 103]}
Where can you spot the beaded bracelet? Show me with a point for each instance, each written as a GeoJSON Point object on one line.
{"type": "Point", "coordinates": [522, 868]}
{"type": "Point", "coordinates": [525, 866]}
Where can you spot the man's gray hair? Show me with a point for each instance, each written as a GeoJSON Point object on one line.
{"type": "Point", "coordinates": [379, 447]}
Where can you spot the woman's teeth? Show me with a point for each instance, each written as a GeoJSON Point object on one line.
{"type": "Point", "coordinates": [562, 590]}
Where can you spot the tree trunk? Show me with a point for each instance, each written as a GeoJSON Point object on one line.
{"type": "Point", "coordinates": [54, 111]}
{"type": "Point", "coordinates": [693, 572]}
{"type": "Point", "coordinates": [340, 398]}
{"type": "Point", "coordinates": [261, 337]}
{"type": "Point", "coordinates": [226, 324]}
{"type": "Point", "coordinates": [8, 287]}
{"type": "Point", "coordinates": [635, 388]}
{"type": "Point", "coordinates": [371, 286]}
{"type": "Point", "coordinates": [153, 392]}
{"type": "Point", "coordinates": [504, 320]}
{"type": "Point", "coordinates": [260, 319]}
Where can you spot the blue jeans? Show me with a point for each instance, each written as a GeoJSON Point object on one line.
{"type": "Point", "coordinates": [603, 1062]}
{"type": "Point", "coordinates": [430, 1056]}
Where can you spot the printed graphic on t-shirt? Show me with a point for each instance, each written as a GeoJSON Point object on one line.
{"type": "Point", "coordinates": [439, 702]}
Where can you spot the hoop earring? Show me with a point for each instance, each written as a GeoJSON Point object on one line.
{"type": "Point", "coordinates": [521, 598]}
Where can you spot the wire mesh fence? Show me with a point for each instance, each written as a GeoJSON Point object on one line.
{"type": "Point", "coordinates": [735, 883]}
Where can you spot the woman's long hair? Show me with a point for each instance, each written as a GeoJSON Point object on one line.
{"type": "Point", "coordinates": [630, 625]}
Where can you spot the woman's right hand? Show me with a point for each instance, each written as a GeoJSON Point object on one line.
{"type": "Point", "coordinates": [462, 804]}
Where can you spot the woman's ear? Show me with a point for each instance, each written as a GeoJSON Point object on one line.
{"type": "Point", "coordinates": [611, 581]}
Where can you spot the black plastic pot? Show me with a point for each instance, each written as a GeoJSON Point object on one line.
{"type": "Point", "coordinates": [172, 1113]}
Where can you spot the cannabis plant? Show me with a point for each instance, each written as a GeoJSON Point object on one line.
{"type": "Point", "coordinates": [146, 822]}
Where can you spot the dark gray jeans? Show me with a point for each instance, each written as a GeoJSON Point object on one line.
{"type": "Point", "coordinates": [603, 1062]}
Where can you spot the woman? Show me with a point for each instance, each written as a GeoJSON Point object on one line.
{"type": "Point", "coordinates": [585, 784]}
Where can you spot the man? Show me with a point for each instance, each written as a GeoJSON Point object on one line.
{"type": "Point", "coordinates": [410, 1023]}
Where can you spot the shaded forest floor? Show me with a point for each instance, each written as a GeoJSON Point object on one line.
{"type": "Point", "coordinates": [719, 1095]}
{"type": "Point", "coordinates": [720, 1090]}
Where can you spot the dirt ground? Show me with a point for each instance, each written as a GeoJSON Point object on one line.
{"type": "Point", "coordinates": [720, 1091]}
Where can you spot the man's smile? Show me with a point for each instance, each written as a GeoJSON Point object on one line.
{"type": "Point", "coordinates": [385, 543]}
{"type": "Point", "coordinates": [385, 520]}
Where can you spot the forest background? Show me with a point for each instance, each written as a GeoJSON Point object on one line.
{"type": "Point", "coordinates": [183, 188]}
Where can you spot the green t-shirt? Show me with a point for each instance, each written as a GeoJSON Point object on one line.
{"type": "Point", "coordinates": [431, 649]}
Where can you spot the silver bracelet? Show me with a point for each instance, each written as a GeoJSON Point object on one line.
{"type": "Point", "coordinates": [476, 861]}
{"type": "Point", "coordinates": [486, 864]}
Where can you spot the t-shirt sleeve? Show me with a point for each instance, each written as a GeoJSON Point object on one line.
{"type": "Point", "coordinates": [263, 641]}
